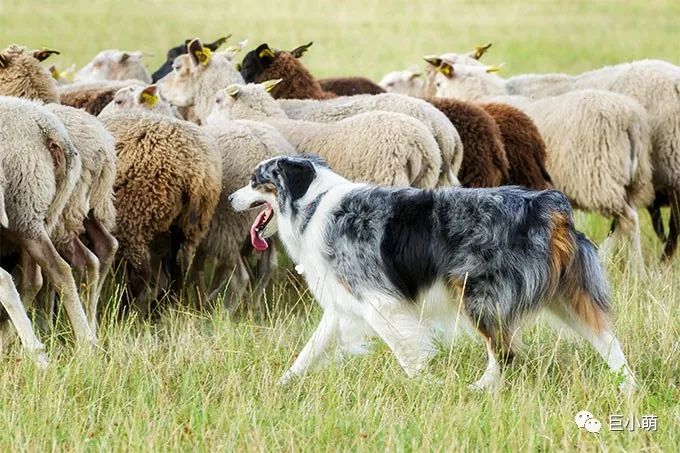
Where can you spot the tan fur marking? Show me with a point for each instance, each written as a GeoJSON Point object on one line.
{"type": "Point", "coordinates": [561, 248]}
{"type": "Point", "coordinates": [266, 188]}
{"type": "Point", "coordinates": [587, 311]}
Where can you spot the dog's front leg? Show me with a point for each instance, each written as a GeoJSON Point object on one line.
{"type": "Point", "coordinates": [315, 349]}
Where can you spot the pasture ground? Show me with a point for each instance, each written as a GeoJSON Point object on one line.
{"type": "Point", "coordinates": [205, 382]}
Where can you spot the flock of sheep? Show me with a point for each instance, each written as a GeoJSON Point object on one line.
{"type": "Point", "coordinates": [109, 168]}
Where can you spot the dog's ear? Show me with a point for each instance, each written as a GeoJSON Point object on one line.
{"type": "Point", "coordinates": [297, 175]}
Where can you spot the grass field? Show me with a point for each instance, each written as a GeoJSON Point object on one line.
{"type": "Point", "coordinates": [207, 383]}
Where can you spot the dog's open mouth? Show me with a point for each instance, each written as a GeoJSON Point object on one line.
{"type": "Point", "coordinates": [262, 228]}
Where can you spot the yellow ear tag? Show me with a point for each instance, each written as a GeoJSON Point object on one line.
{"type": "Point", "coordinates": [446, 70]}
{"type": "Point", "coordinates": [55, 73]}
{"type": "Point", "coordinates": [266, 53]}
{"type": "Point", "coordinates": [203, 55]}
{"type": "Point", "coordinates": [149, 100]}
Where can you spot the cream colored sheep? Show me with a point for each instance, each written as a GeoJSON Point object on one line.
{"type": "Point", "coordinates": [379, 147]}
{"type": "Point", "coordinates": [114, 64]}
{"type": "Point", "coordinates": [598, 143]}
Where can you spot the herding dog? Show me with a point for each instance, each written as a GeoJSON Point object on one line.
{"type": "Point", "coordinates": [392, 262]}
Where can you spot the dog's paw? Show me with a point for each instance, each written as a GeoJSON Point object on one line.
{"type": "Point", "coordinates": [287, 377]}
{"type": "Point", "coordinates": [487, 383]}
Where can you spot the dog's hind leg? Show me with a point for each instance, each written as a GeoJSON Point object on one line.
{"type": "Point", "coordinates": [399, 326]}
{"type": "Point", "coordinates": [314, 354]}
{"type": "Point", "coordinates": [601, 336]}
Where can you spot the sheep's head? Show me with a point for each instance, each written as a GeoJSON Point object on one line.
{"type": "Point", "coordinates": [22, 75]}
{"type": "Point", "coordinates": [256, 62]}
{"type": "Point", "coordinates": [181, 49]}
{"type": "Point", "coordinates": [460, 81]}
{"type": "Point", "coordinates": [140, 98]}
{"type": "Point", "coordinates": [470, 58]}
{"type": "Point", "coordinates": [251, 101]}
{"type": "Point", "coordinates": [114, 65]}
{"type": "Point", "coordinates": [409, 82]}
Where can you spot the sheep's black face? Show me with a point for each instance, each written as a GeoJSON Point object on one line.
{"type": "Point", "coordinates": [256, 62]}
{"type": "Point", "coordinates": [166, 67]}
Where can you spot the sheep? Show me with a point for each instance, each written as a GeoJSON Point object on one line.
{"type": "Point", "coordinates": [11, 302]}
{"type": "Point", "coordinates": [181, 49]}
{"type": "Point", "coordinates": [22, 75]}
{"type": "Point", "coordinates": [656, 86]}
{"type": "Point", "coordinates": [524, 146]}
{"type": "Point", "coordinates": [114, 64]}
{"type": "Point", "coordinates": [142, 98]}
{"type": "Point", "coordinates": [243, 145]}
{"type": "Point", "coordinates": [41, 167]}
{"type": "Point", "coordinates": [89, 211]}
{"type": "Point", "coordinates": [196, 77]}
{"type": "Point", "coordinates": [350, 86]}
{"type": "Point", "coordinates": [93, 96]}
{"type": "Point", "coordinates": [409, 82]}
{"type": "Point", "coordinates": [380, 147]}
{"type": "Point", "coordinates": [167, 184]}
{"type": "Point", "coordinates": [598, 145]}
{"type": "Point", "coordinates": [445, 134]}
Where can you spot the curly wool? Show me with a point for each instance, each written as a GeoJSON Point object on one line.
{"type": "Point", "coordinates": [168, 173]}
{"type": "Point", "coordinates": [484, 161]}
{"type": "Point", "coordinates": [25, 77]}
{"type": "Point", "coordinates": [524, 147]}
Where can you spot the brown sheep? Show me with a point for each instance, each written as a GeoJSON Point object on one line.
{"type": "Point", "coordinates": [350, 86]}
{"type": "Point", "coordinates": [523, 144]}
{"type": "Point", "coordinates": [22, 75]}
{"type": "Point", "coordinates": [168, 183]}
{"type": "Point", "coordinates": [93, 96]}
{"type": "Point", "coordinates": [484, 160]}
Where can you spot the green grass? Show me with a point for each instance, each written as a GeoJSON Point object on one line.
{"type": "Point", "coordinates": [207, 382]}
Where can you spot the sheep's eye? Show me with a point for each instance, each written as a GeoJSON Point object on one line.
{"type": "Point", "coordinates": [218, 101]}
{"type": "Point", "coordinates": [119, 102]}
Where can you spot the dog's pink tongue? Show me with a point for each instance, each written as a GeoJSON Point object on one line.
{"type": "Point", "coordinates": [255, 239]}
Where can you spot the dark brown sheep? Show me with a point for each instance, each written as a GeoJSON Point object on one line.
{"type": "Point", "coordinates": [523, 144]}
{"type": "Point", "coordinates": [484, 161]}
{"type": "Point", "coordinates": [350, 86]}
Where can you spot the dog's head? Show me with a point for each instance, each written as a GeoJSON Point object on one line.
{"type": "Point", "coordinates": [278, 186]}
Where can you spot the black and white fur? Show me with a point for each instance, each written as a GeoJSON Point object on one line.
{"type": "Point", "coordinates": [392, 263]}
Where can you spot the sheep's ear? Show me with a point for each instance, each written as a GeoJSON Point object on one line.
{"type": "Point", "coordinates": [238, 47]}
{"type": "Point", "coordinates": [270, 84]}
{"type": "Point", "coordinates": [4, 62]}
{"type": "Point", "coordinates": [433, 60]}
{"type": "Point", "coordinates": [264, 52]}
{"type": "Point", "coordinates": [233, 90]}
{"type": "Point", "coordinates": [43, 54]}
{"type": "Point", "coordinates": [148, 96]}
{"type": "Point", "coordinates": [415, 75]}
{"type": "Point", "coordinates": [218, 42]}
{"type": "Point", "coordinates": [199, 54]}
{"type": "Point", "coordinates": [491, 69]}
{"type": "Point", "coordinates": [300, 50]}
{"type": "Point", "coordinates": [478, 51]}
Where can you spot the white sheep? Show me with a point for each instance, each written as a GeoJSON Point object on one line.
{"type": "Point", "coordinates": [41, 167]}
{"type": "Point", "coordinates": [379, 147]}
{"type": "Point", "coordinates": [410, 82]}
{"type": "Point", "coordinates": [196, 77]}
{"type": "Point", "coordinates": [114, 64]}
{"type": "Point", "coordinates": [141, 98]}
{"type": "Point", "coordinates": [443, 131]}
{"type": "Point", "coordinates": [598, 143]}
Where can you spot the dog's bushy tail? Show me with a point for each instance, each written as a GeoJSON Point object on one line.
{"type": "Point", "coordinates": [586, 286]}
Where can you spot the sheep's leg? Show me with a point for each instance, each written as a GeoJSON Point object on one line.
{"type": "Point", "coordinates": [655, 213]}
{"type": "Point", "coordinates": [59, 273]}
{"type": "Point", "coordinates": [626, 228]}
{"type": "Point", "coordinates": [9, 297]}
{"type": "Point", "coordinates": [88, 266]}
{"type": "Point", "coordinates": [265, 265]}
{"type": "Point", "coordinates": [31, 278]}
{"type": "Point", "coordinates": [673, 226]}
{"type": "Point", "coordinates": [105, 246]}
{"type": "Point", "coordinates": [139, 280]}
